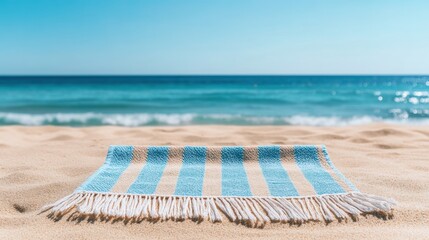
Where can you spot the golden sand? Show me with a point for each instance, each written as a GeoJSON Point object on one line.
{"type": "Point", "coordinates": [39, 165]}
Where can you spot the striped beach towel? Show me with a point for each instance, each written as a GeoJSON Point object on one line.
{"type": "Point", "coordinates": [249, 185]}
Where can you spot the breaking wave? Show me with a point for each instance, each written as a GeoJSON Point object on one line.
{"type": "Point", "coordinates": [146, 119]}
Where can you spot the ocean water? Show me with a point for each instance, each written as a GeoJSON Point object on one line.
{"type": "Point", "coordinates": [239, 100]}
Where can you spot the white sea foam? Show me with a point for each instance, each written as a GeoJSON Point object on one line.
{"type": "Point", "coordinates": [329, 121]}
{"type": "Point", "coordinates": [143, 119]}
{"type": "Point", "coordinates": [95, 119]}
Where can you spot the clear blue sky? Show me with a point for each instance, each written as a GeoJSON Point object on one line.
{"type": "Point", "coordinates": [214, 37]}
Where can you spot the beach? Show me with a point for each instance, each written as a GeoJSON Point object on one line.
{"type": "Point", "coordinates": [214, 120]}
{"type": "Point", "coordinates": [41, 164]}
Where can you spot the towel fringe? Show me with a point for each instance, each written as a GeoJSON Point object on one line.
{"type": "Point", "coordinates": [250, 211]}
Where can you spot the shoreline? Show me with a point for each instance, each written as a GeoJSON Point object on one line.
{"type": "Point", "coordinates": [381, 124]}
{"type": "Point", "coordinates": [41, 164]}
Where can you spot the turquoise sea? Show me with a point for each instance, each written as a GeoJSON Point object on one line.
{"type": "Point", "coordinates": [187, 100]}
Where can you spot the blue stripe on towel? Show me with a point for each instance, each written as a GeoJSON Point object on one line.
{"type": "Point", "coordinates": [275, 175]}
{"type": "Point", "coordinates": [191, 176]}
{"type": "Point", "coordinates": [148, 179]}
{"type": "Point", "coordinates": [350, 184]}
{"type": "Point", "coordinates": [308, 161]}
{"type": "Point", "coordinates": [117, 160]}
{"type": "Point", "coordinates": [234, 178]}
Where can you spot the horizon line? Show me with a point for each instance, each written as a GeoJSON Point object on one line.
{"type": "Point", "coordinates": [207, 75]}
